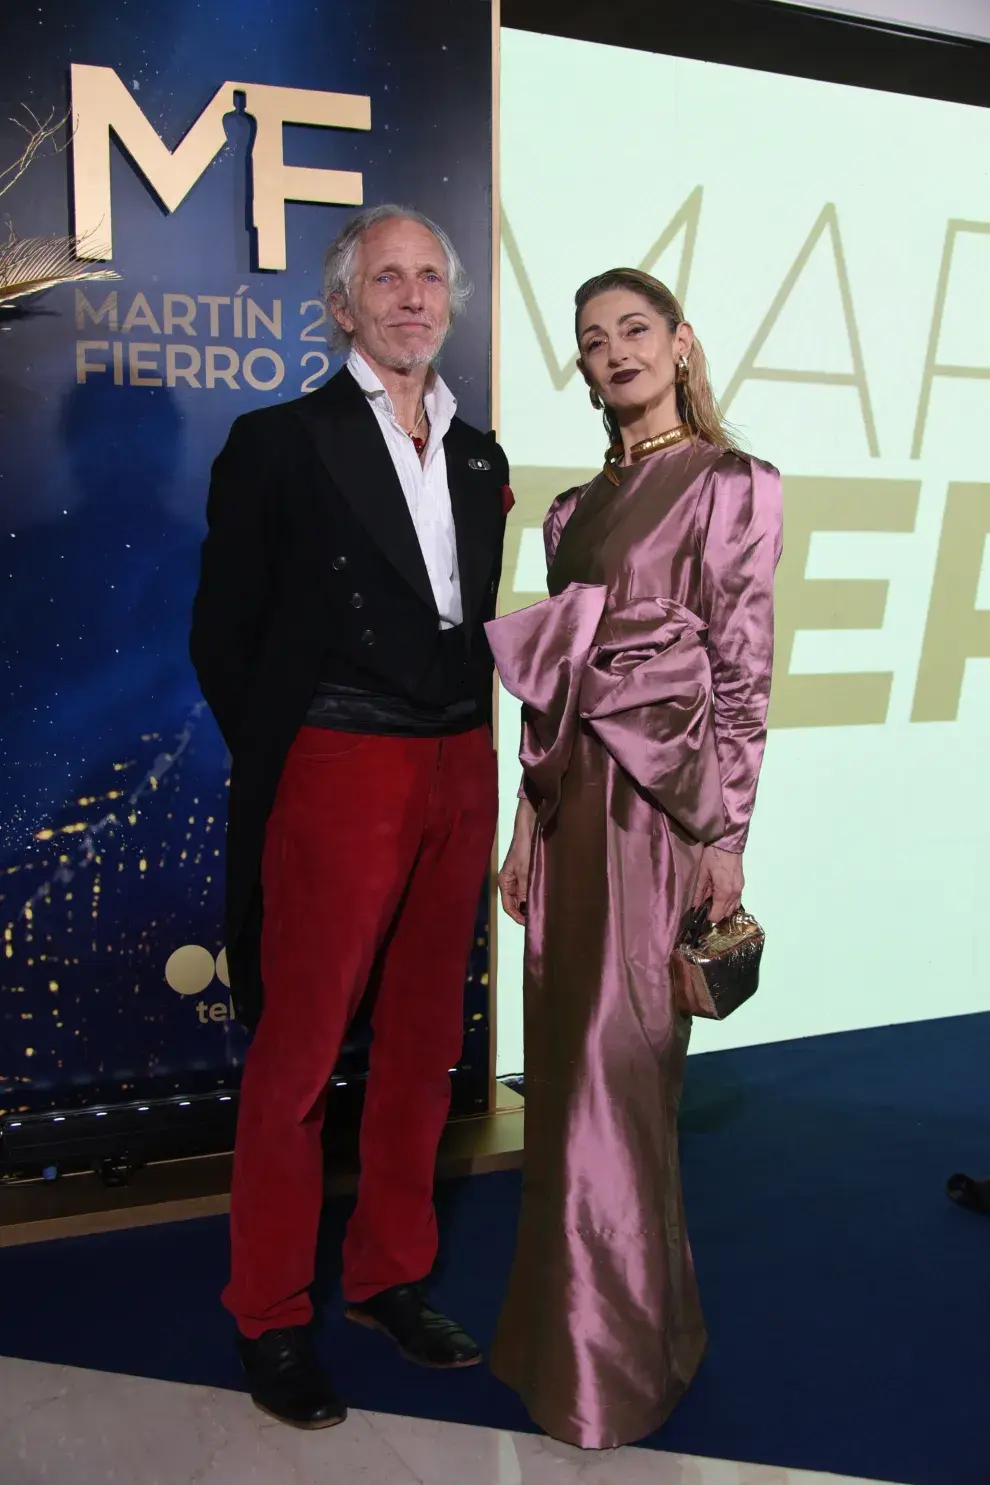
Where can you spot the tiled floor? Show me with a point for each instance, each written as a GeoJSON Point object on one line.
{"type": "Point", "coordinates": [59, 1426]}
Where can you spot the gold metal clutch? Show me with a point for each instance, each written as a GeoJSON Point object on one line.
{"type": "Point", "coordinates": [715, 967]}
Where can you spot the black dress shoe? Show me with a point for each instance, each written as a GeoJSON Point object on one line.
{"type": "Point", "coordinates": [421, 1333]}
{"type": "Point", "coordinates": [973, 1195]}
{"type": "Point", "coordinates": [287, 1381]}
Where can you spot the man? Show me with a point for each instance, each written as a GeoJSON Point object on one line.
{"type": "Point", "coordinates": [353, 556]}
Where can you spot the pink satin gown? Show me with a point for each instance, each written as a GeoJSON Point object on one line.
{"type": "Point", "coordinates": [645, 680]}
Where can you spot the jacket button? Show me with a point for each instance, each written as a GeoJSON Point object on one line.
{"type": "Point", "coordinates": [368, 637]}
{"type": "Point", "coordinates": [357, 601]}
{"type": "Point", "coordinates": [339, 563]}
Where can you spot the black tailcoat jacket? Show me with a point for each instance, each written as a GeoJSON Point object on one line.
{"type": "Point", "coordinates": [312, 570]}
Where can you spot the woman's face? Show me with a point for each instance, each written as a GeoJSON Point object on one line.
{"type": "Point", "coordinates": [628, 354]}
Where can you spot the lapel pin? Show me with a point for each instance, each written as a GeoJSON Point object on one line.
{"type": "Point", "coordinates": [478, 464]}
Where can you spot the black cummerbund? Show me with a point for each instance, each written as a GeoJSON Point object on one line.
{"type": "Point", "coordinates": [445, 704]}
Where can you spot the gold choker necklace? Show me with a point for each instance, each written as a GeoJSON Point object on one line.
{"type": "Point", "coordinates": [613, 459]}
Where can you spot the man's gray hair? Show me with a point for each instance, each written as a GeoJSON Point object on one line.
{"type": "Point", "coordinates": [341, 260]}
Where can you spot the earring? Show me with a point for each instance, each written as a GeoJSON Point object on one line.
{"type": "Point", "coordinates": [683, 372]}
{"type": "Point", "coordinates": [595, 400]}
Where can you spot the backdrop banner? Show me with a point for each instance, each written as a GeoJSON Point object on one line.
{"type": "Point", "coordinates": [215, 149]}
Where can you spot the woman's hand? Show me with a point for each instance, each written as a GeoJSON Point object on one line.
{"type": "Point", "coordinates": [720, 878]}
{"type": "Point", "coordinates": [513, 879]}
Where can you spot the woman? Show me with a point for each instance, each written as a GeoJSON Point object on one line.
{"type": "Point", "coordinates": [645, 679]}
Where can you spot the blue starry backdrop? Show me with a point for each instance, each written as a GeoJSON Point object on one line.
{"type": "Point", "coordinates": [113, 777]}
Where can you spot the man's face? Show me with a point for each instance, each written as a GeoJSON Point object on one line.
{"type": "Point", "coordinates": [398, 312]}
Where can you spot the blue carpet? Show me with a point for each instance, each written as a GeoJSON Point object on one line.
{"type": "Point", "coordinates": [847, 1300]}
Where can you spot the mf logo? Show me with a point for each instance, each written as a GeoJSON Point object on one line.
{"type": "Point", "coordinates": [101, 105]}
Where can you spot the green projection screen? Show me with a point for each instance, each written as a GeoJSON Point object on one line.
{"type": "Point", "coordinates": [832, 248]}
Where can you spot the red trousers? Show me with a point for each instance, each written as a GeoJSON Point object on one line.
{"type": "Point", "coordinates": [375, 856]}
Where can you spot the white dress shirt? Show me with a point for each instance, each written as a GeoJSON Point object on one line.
{"type": "Point", "coordinates": [424, 482]}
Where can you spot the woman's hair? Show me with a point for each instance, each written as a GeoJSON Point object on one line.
{"type": "Point", "coordinates": [341, 261]}
{"type": "Point", "coordinates": [696, 404]}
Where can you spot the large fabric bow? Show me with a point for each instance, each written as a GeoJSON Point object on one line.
{"type": "Point", "coordinates": [637, 675]}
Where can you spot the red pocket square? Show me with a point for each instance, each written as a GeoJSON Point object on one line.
{"type": "Point", "coordinates": [508, 499]}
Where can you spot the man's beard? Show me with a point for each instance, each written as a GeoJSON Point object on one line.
{"type": "Point", "coordinates": [414, 360]}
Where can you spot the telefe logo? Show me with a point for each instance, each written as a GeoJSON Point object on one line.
{"type": "Point", "coordinates": [191, 970]}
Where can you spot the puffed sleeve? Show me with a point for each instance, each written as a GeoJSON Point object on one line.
{"type": "Point", "coordinates": [557, 518]}
{"type": "Point", "coordinates": [554, 522]}
{"type": "Point", "coordinates": [740, 535]}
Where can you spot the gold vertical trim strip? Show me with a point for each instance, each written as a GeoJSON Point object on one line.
{"type": "Point", "coordinates": [495, 402]}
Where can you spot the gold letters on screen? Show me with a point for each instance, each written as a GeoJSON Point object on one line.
{"type": "Point", "coordinates": [956, 629]}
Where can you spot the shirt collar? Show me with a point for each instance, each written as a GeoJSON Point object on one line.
{"type": "Point", "coordinates": [439, 400]}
